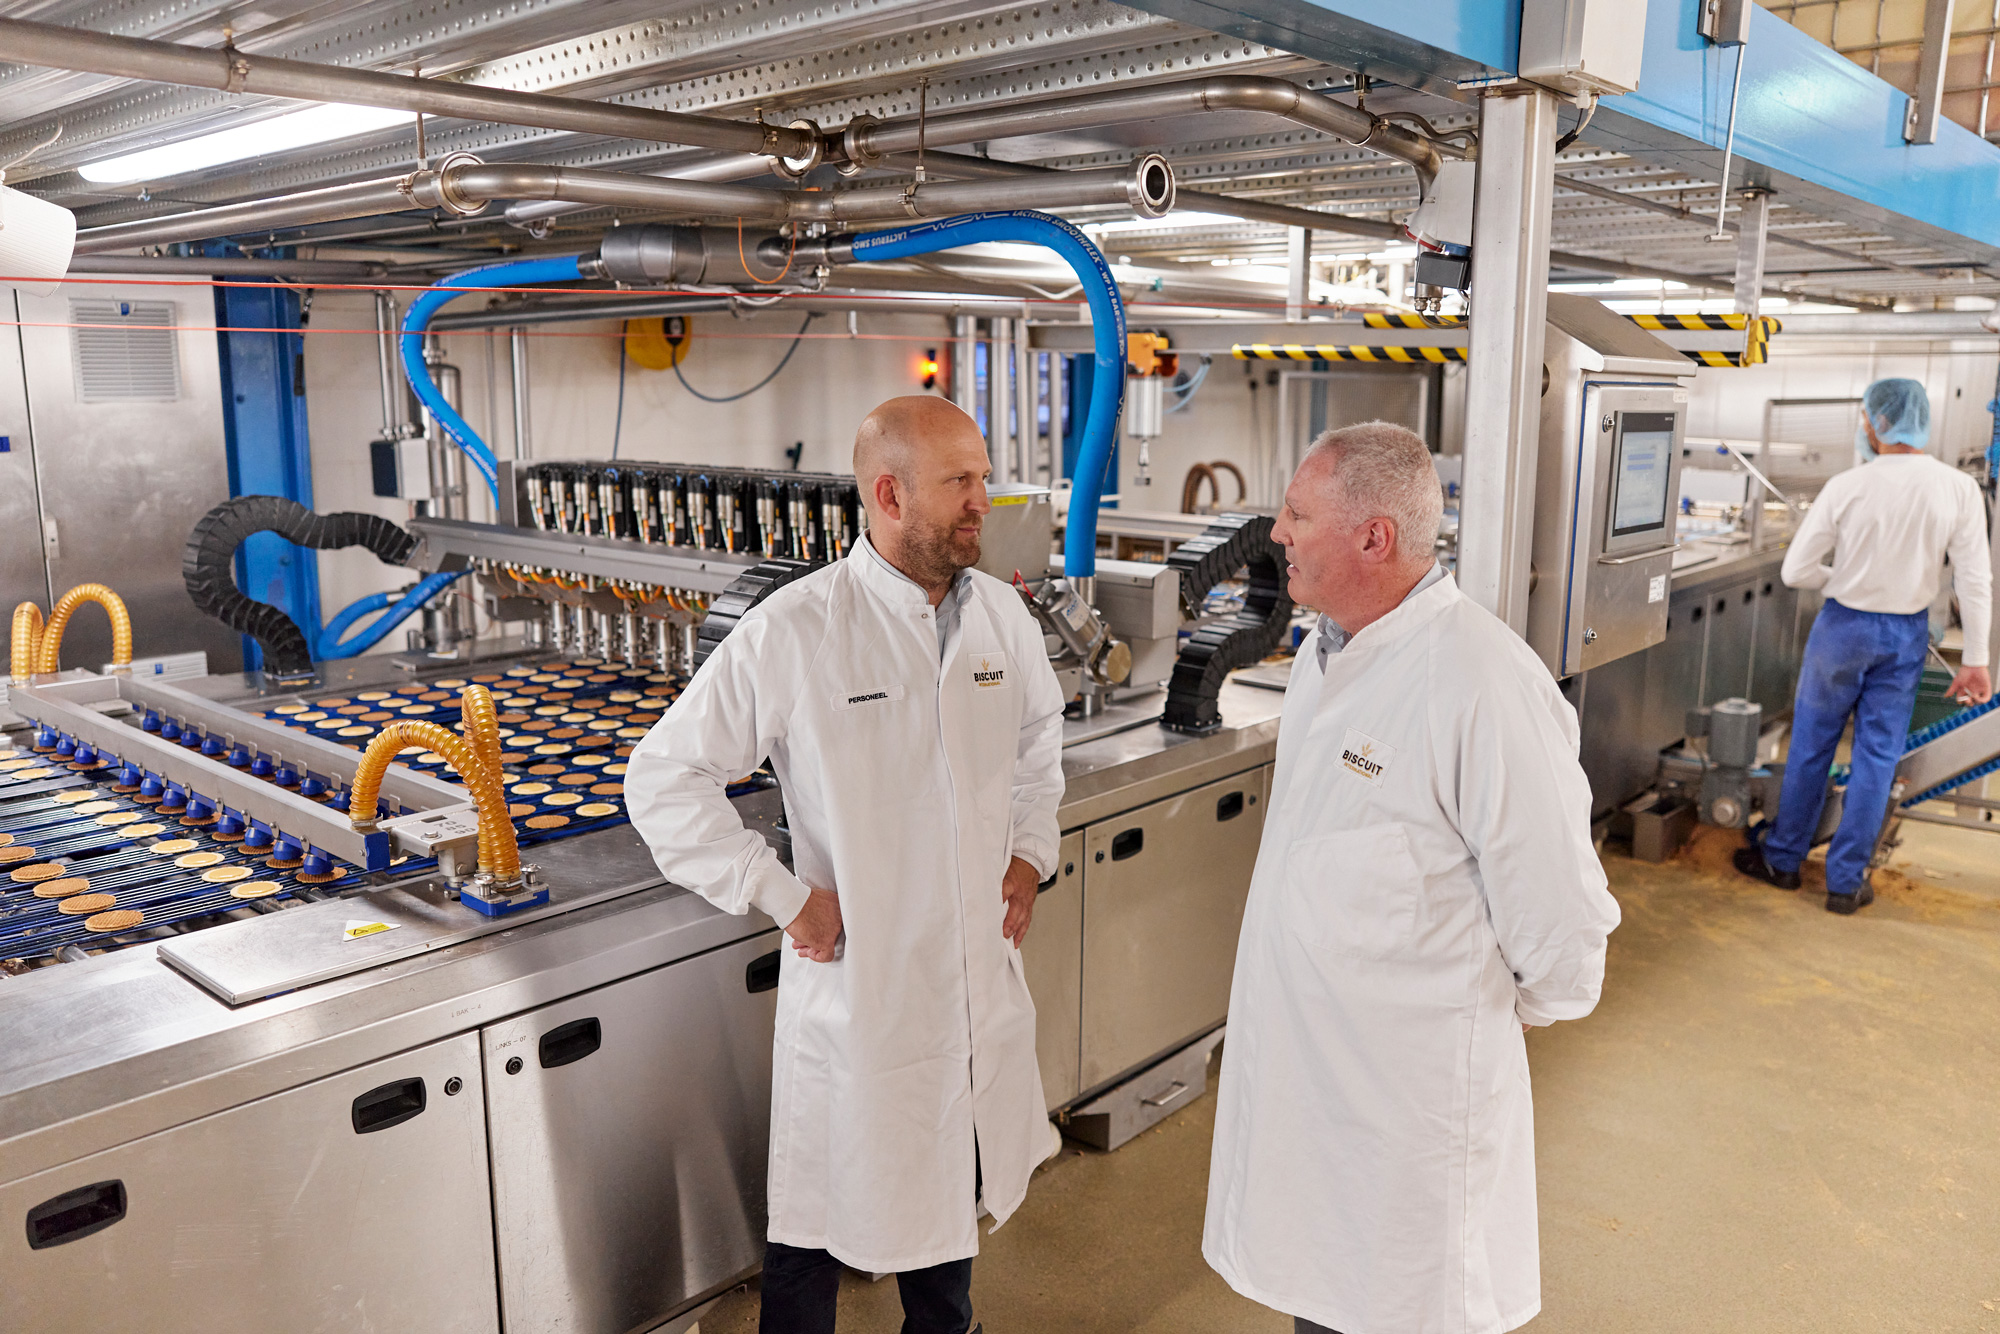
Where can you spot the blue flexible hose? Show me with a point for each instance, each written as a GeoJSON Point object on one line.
{"type": "Point", "coordinates": [1107, 320]}
{"type": "Point", "coordinates": [329, 645]}
{"type": "Point", "coordinates": [512, 274]}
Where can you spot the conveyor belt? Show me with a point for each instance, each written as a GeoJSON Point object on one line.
{"type": "Point", "coordinates": [68, 832]}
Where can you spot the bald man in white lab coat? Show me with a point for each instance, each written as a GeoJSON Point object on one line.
{"type": "Point", "coordinates": [1426, 890]}
{"type": "Point", "coordinates": [908, 708]}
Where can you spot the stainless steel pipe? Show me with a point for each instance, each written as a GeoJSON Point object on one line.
{"type": "Point", "coordinates": [466, 185]}
{"type": "Point", "coordinates": [868, 141]}
{"type": "Point", "coordinates": [233, 71]}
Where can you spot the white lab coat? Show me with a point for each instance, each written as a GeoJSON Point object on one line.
{"type": "Point", "coordinates": [1426, 884]}
{"type": "Point", "coordinates": [907, 788]}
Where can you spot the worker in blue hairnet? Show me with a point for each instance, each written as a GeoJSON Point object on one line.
{"type": "Point", "coordinates": [1874, 543]}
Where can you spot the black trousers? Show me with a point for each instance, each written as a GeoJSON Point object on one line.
{"type": "Point", "coordinates": [1301, 1325]}
{"type": "Point", "coordinates": [801, 1288]}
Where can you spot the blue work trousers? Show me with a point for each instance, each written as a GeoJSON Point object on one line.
{"type": "Point", "coordinates": [1860, 664]}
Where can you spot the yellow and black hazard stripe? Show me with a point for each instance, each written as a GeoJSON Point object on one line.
{"type": "Point", "coordinates": [1331, 352]}
{"type": "Point", "coordinates": [1397, 319]}
{"type": "Point", "coordinates": [1679, 323]}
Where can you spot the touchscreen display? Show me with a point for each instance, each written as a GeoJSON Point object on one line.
{"type": "Point", "coordinates": [1639, 498]}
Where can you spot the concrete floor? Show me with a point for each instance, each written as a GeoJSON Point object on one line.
{"type": "Point", "coordinates": [1777, 1120]}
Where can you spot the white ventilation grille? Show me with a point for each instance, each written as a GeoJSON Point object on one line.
{"type": "Point", "coordinates": [125, 351]}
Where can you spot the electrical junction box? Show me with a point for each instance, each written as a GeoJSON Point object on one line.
{"type": "Point", "coordinates": [401, 468]}
{"type": "Point", "coordinates": [1018, 533]}
{"type": "Point", "coordinates": [1583, 46]}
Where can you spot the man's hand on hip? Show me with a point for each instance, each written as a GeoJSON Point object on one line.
{"type": "Point", "coordinates": [1017, 891]}
{"type": "Point", "coordinates": [815, 932]}
{"type": "Point", "coordinates": [1972, 685]}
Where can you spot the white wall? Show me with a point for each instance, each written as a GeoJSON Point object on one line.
{"type": "Point", "coordinates": [1959, 377]}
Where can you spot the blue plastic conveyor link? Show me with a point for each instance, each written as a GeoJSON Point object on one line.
{"type": "Point", "coordinates": [515, 273]}
{"type": "Point", "coordinates": [1950, 723]}
{"type": "Point", "coordinates": [1107, 320]}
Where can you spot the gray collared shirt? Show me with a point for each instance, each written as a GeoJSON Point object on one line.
{"type": "Point", "coordinates": [947, 610]}
{"type": "Point", "coordinates": [1332, 639]}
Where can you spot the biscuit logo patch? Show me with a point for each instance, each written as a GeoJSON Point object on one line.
{"type": "Point", "coordinates": [989, 672]}
{"type": "Point", "coordinates": [864, 695]}
{"type": "Point", "coordinates": [1364, 755]}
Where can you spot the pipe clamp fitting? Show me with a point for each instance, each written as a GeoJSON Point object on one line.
{"type": "Point", "coordinates": [1151, 187]}
{"type": "Point", "coordinates": [795, 168]}
{"type": "Point", "coordinates": [448, 195]}
{"type": "Point", "coordinates": [859, 157]}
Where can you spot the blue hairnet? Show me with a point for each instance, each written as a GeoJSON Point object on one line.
{"type": "Point", "coordinates": [1900, 411]}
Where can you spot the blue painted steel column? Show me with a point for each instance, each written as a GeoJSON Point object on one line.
{"type": "Point", "coordinates": [262, 354]}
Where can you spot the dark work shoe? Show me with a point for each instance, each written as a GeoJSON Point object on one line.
{"type": "Point", "coordinates": [1851, 903]}
{"type": "Point", "coordinates": [1750, 861]}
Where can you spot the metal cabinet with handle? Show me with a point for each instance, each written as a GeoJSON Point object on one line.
{"type": "Point", "coordinates": [1163, 894]}
{"type": "Point", "coordinates": [629, 1130]}
{"type": "Point", "coordinates": [357, 1202]}
{"type": "Point", "coordinates": [1052, 956]}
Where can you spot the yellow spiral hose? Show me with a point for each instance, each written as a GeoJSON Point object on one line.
{"type": "Point", "coordinates": [26, 653]}
{"type": "Point", "coordinates": [66, 605]}
{"type": "Point", "coordinates": [480, 722]}
{"type": "Point", "coordinates": [499, 855]}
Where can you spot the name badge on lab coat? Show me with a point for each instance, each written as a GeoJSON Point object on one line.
{"type": "Point", "coordinates": [855, 699]}
{"type": "Point", "coordinates": [989, 671]}
{"type": "Point", "coordinates": [1364, 755]}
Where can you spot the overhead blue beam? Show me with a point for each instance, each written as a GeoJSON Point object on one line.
{"type": "Point", "coordinates": [1811, 124]}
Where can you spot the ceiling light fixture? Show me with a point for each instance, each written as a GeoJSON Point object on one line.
{"type": "Point", "coordinates": [295, 129]}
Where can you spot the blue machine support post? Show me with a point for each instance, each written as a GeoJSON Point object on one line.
{"type": "Point", "coordinates": [261, 348]}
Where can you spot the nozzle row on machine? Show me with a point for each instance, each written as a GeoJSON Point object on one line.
{"type": "Point", "coordinates": [179, 799]}
{"type": "Point", "coordinates": [798, 516]}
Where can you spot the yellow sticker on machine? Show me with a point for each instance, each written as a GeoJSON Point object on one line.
{"type": "Point", "coordinates": [998, 501]}
{"type": "Point", "coordinates": [356, 930]}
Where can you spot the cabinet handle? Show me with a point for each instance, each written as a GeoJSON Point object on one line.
{"type": "Point", "coordinates": [1170, 1093]}
{"type": "Point", "coordinates": [1229, 807]}
{"type": "Point", "coordinates": [570, 1042]}
{"type": "Point", "coordinates": [75, 1214]}
{"type": "Point", "coordinates": [1127, 844]}
{"type": "Point", "coordinates": [389, 1105]}
{"type": "Point", "coordinates": [762, 974]}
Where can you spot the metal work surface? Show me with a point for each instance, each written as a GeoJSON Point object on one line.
{"type": "Point", "coordinates": [122, 1045]}
{"type": "Point", "coordinates": [1144, 763]}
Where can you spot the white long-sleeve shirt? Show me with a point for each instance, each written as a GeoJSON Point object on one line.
{"type": "Point", "coordinates": [1888, 526]}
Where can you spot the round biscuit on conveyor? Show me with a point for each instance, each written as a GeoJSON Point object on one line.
{"type": "Point", "coordinates": [547, 821]}
{"type": "Point", "coordinates": [624, 696]}
{"type": "Point", "coordinates": [530, 789]}
{"type": "Point", "coordinates": [565, 734]}
{"type": "Point", "coordinates": [16, 852]}
{"type": "Point", "coordinates": [577, 780]}
{"type": "Point", "coordinates": [451, 683]}
{"type": "Point", "coordinates": [542, 770]}
{"type": "Point", "coordinates": [223, 875]}
{"type": "Point", "coordinates": [94, 807]}
{"type": "Point", "coordinates": [596, 810]}
{"type": "Point", "coordinates": [291, 708]}
{"type": "Point", "coordinates": [307, 878]}
{"type": "Point", "coordinates": [118, 919]}
{"type": "Point", "coordinates": [607, 789]}
{"type": "Point", "coordinates": [74, 795]}
{"type": "Point", "coordinates": [83, 905]}
{"type": "Point", "coordinates": [112, 819]}
{"type": "Point", "coordinates": [331, 703]}
{"type": "Point", "coordinates": [256, 889]}
{"type": "Point", "coordinates": [520, 808]}
{"type": "Point", "coordinates": [167, 847]}
{"type": "Point", "coordinates": [561, 799]}
{"type": "Point", "coordinates": [5, 839]}
{"type": "Point", "coordinates": [378, 716]}
{"type": "Point", "coordinates": [189, 861]}
{"type": "Point", "coordinates": [373, 694]}
{"type": "Point", "coordinates": [554, 748]}
{"type": "Point", "coordinates": [144, 830]}
{"type": "Point", "coordinates": [32, 875]}
{"type": "Point", "coordinates": [591, 761]}
{"type": "Point", "coordinates": [67, 887]}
